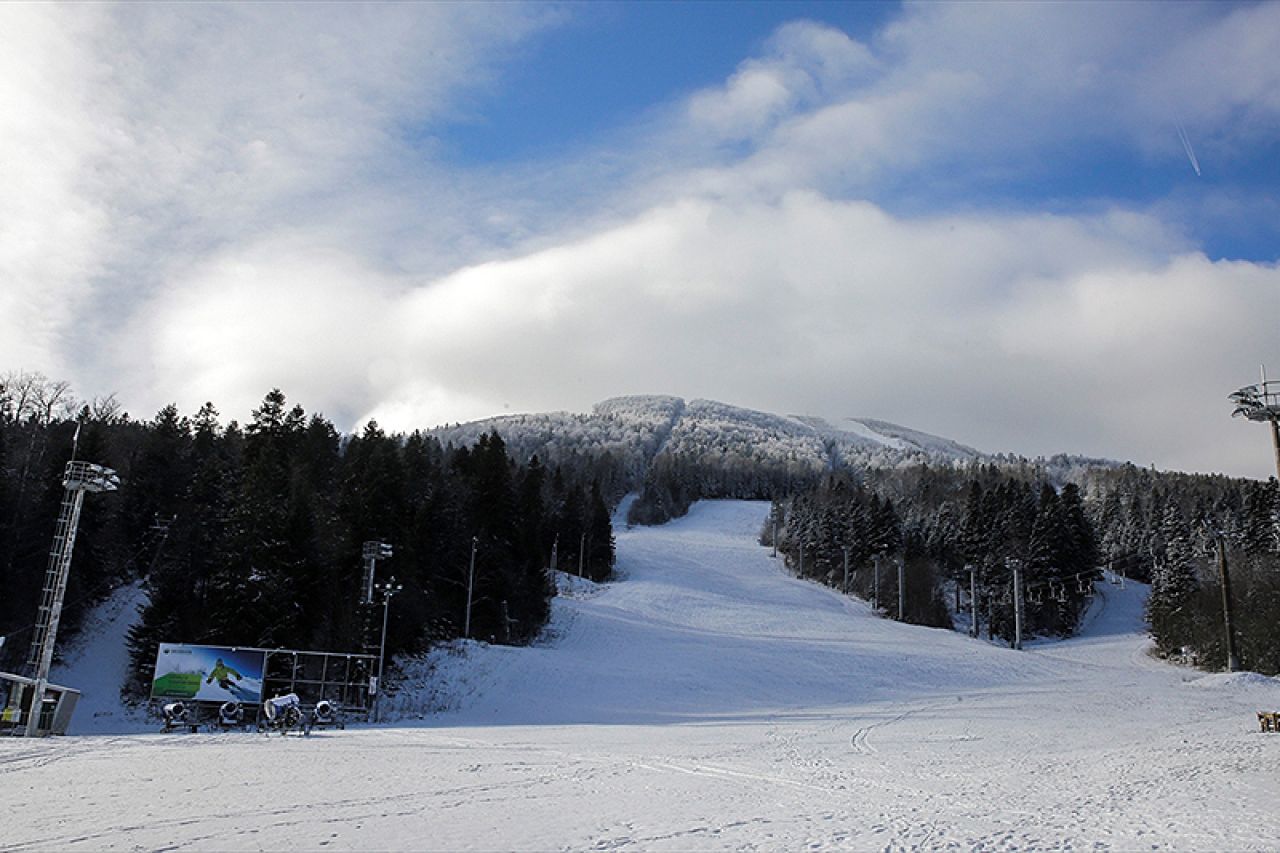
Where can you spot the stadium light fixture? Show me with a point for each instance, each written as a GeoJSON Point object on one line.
{"type": "Point", "coordinates": [372, 552]}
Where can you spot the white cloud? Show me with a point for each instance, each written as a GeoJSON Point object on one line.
{"type": "Point", "coordinates": [1030, 333]}
{"type": "Point", "coordinates": [964, 94]}
{"type": "Point", "coordinates": [141, 144]}
{"type": "Point", "coordinates": [49, 233]}
{"type": "Point", "coordinates": [804, 63]}
{"type": "Point", "coordinates": [279, 314]}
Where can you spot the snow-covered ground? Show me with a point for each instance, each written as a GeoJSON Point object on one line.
{"type": "Point", "coordinates": [98, 663]}
{"type": "Point", "coordinates": [709, 701]}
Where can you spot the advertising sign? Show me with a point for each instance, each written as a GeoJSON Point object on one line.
{"type": "Point", "coordinates": [208, 673]}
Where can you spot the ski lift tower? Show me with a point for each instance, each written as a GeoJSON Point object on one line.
{"type": "Point", "coordinates": [1261, 402]}
{"type": "Point", "coordinates": [78, 478]}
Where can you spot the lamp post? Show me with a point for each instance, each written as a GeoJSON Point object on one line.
{"type": "Point", "coordinates": [387, 589]}
{"type": "Point", "coordinates": [78, 478]}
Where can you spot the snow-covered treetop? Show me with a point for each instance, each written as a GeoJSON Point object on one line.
{"type": "Point", "coordinates": [635, 430]}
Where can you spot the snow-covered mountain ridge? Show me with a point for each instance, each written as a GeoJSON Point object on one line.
{"type": "Point", "coordinates": [635, 430]}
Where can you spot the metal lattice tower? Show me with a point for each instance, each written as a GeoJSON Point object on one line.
{"type": "Point", "coordinates": [1261, 403]}
{"type": "Point", "coordinates": [371, 552]}
{"type": "Point", "coordinates": [77, 479]}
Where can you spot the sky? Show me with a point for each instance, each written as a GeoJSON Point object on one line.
{"type": "Point", "coordinates": [1029, 227]}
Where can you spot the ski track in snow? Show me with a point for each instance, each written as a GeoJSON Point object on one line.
{"type": "Point", "coordinates": [707, 701]}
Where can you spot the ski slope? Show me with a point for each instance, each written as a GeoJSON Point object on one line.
{"type": "Point", "coordinates": [708, 701]}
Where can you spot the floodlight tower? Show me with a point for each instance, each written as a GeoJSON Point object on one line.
{"type": "Point", "coordinates": [1261, 402]}
{"type": "Point", "coordinates": [387, 589]}
{"type": "Point", "coordinates": [372, 551]}
{"type": "Point", "coordinates": [78, 478]}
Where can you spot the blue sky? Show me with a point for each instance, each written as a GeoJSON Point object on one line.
{"type": "Point", "coordinates": [610, 61]}
{"type": "Point", "coordinates": [606, 64]}
{"type": "Point", "coordinates": [975, 219]}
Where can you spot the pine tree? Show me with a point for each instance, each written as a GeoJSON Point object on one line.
{"type": "Point", "coordinates": [1173, 585]}
{"type": "Point", "coordinates": [600, 544]}
{"type": "Point", "coordinates": [1261, 505]}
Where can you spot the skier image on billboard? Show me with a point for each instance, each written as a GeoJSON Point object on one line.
{"type": "Point", "coordinates": [208, 674]}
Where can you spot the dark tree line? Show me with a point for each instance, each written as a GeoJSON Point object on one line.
{"type": "Point", "coordinates": [950, 531]}
{"type": "Point", "coordinates": [252, 535]}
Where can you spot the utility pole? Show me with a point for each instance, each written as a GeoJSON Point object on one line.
{"type": "Point", "coordinates": [875, 582]}
{"type": "Point", "coordinates": [902, 588]}
{"type": "Point", "coordinates": [1017, 605]}
{"type": "Point", "coordinates": [775, 537]}
{"type": "Point", "coordinates": [582, 551]}
{"type": "Point", "coordinates": [845, 588]}
{"type": "Point", "coordinates": [1233, 659]}
{"type": "Point", "coordinates": [973, 602]}
{"type": "Point", "coordinates": [471, 578]}
{"type": "Point", "coordinates": [78, 478]}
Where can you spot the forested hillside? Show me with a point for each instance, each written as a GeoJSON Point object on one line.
{"type": "Point", "coordinates": [252, 534]}
{"type": "Point", "coordinates": [958, 531]}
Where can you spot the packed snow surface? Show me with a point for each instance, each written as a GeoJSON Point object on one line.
{"type": "Point", "coordinates": [707, 700]}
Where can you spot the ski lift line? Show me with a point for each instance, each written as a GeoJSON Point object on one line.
{"type": "Point", "coordinates": [89, 593]}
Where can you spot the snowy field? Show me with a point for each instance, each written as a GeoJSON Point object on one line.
{"type": "Point", "coordinates": [705, 701]}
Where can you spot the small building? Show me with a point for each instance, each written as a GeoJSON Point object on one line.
{"type": "Point", "coordinates": [16, 695]}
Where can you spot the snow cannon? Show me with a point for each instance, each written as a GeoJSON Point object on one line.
{"type": "Point", "coordinates": [231, 715]}
{"type": "Point", "coordinates": [325, 715]}
{"type": "Point", "coordinates": [175, 715]}
{"type": "Point", "coordinates": [283, 712]}
{"type": "Point", "coordinates": [324, 712]}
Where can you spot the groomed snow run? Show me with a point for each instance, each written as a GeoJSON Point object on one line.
{"type": "Point", "coordinates": [709, 701]}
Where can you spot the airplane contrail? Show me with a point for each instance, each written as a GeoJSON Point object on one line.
{"type": "Point", "coordinates": [1186, 146]}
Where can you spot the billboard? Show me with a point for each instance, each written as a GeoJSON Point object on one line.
{"type": "Point", "coordinates": [208, 673]}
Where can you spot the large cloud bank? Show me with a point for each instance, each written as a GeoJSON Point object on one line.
{"type": "Point", "coordinates": [205, 202]}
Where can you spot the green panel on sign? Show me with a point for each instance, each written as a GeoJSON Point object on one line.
{"type": "Point", "coordinates": [179, 685]}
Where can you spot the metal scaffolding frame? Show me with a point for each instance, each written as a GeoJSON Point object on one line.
{"type": "Point", "coordinates": [78, 478]}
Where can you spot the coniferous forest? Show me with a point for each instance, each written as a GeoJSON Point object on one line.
{"type": "Point", "coordinates": [252, 534]}
{"type": "Point", "coordinates": [959, 531]}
